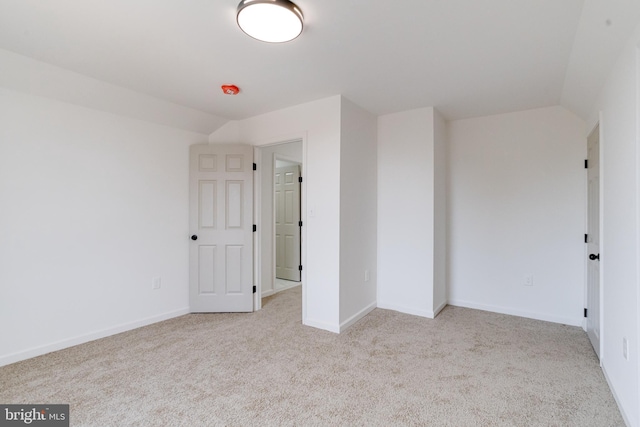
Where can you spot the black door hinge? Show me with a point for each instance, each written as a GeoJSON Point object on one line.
{"type": "Point", "coordinates": [255, 167]}
{"type": "Point", "coordinates": [586, 164]}
{"type": "Point", "coordinates": [299, 179]}
{"type": "Point", "coordinates": [586, 238]}
{"type": "Point", "coordinates": [585, 312]}
{"type": "Point", "coordinates": [255, 228]}
{"type": "Point", "coordinates": [299, 223]}
{"type": "Point", "coordinates": [254, 289]}
{"type": "Point", "coordinates": [299, 268]}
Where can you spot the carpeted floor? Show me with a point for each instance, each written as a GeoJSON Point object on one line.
{"type": "Point", "coordinates": [465, 368]}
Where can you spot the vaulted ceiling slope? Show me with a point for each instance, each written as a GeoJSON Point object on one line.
{"type": "Point", "coordinates": [466, 57]}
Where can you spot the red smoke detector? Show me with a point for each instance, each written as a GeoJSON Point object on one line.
{"type": "Point", "coordinates": [230, 89]}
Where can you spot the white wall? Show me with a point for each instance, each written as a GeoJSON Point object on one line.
{"type": "Point", "coordinates": [619, 250]}
{"type": "Point", "coordinates": [293, 151]}
{"type": "Point", "coordinates": [318, 125]}
{"type": "Point", "coordinates": [358, 212]}
{"type": "Point", "coordinates": [229, 133]}
{"type": "Point", "coordinates": [516, 209]}
{"type": "Point", "coordinates": [93, 206]}
{"type": "Point", "coordinates": [27, 75]}
{"type": "Point", "coordinates": [406, 211]}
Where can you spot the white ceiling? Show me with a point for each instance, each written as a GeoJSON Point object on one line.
{"type": "Point", "coordinates": [466, 57]}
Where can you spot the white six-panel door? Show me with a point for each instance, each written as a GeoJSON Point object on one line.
{"type": "Point", "coordinates": [287, 206]}
{"type": "Point", "coordinates": [221, 228]}
{"type": "Point", "coordinates": [593, 240]}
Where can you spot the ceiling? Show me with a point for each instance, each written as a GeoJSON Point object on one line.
{"type": "Point", "coordinates": [468, 58]}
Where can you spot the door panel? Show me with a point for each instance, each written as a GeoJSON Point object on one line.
{"type": "Point", "coordinates": [207, 200]}
{"type": "Point", "coordinates": [221, 217]}
{"type": "Point", "coordinates": [234, 201]}
{"type": "Point", "coordinates": [234, 269]}
{"type": "Point", "coordinates": [207, 262]}
{"type": "Point", "coordinates": [593, 239]}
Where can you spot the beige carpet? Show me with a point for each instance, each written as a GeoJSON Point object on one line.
{"type": "Point", "coordinates": [465, 368]}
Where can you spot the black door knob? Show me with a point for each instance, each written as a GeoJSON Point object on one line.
{"type": "Point", "coordinates": [594, 257]}
{"type": "Point", "coordinates": [194, 237]}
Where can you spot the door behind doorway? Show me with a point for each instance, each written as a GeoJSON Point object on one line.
{"type": "Point", "coordinates": [287, 220]}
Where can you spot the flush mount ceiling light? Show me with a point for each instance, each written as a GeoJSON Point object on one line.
{"type": "Point", "coordinates": [273, 21]}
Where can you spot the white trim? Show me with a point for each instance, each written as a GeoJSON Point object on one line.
{"type": "Point", "coordinates": [257, 253]}
{"type": "Point", "coordinates": [602, 261]}
{"type": "Point", "coordinates": [585, 254]}
{"type": "Point", "coordinates": [321, 325]}
{"type": "Point", "coordinates": [439, 309]}
{"type": "Point", "coordinates": [81, 339]}
{"type": "Point", "coordinates": [572, 321]}
{"type": "Point", "coordinates": [615, 397]}
{"type": "Point", "coordinates": [303, 218]}
{"type": "Point", "coordinates": [353, 319]}
{"type": "Point", "coordinates": [583, 325]}
{"type": "Point", "coordinates": [286, 288]}
{"type": "Point", "coordinates": [266, 294]}
{"type": "Point", "coordinates": [406, 310]}
{"type": "Point", "coordinates": [638, 209]}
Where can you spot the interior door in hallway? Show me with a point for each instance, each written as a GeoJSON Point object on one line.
{"type": "Point", "coordinates": [287, 218]}
{"type": "Point", "coordinates": [221, 228]}
{"type": "Point", "coordinates": [593, 239]}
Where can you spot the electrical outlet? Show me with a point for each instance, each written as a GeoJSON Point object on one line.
{"type": "Point", "coordinates": [156, 283]}
{"type": "Point", "coordinates": [625, 348]}
{"type": "Point", "coordinates": [366, 275]}
{"type": "Point", "coordinates": [528, 281]}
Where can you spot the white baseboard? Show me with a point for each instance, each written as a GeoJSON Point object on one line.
{"type": "Point", "coordinates": [321, 325]}
{"type": "Point", "coordinates": [407, 310]}
{"type": "Point", "coordinates": [572, 321]}
{"type": "Point", "coordinates": [359, 315]}
{"type": "Point", "coordinates": [439, 309]}
{"type": "Point", "coordinates": [284, 288]}
{"type": "Point", "coordinates": [81, 339]}
{"type": "Point", "coordinates": [265, 294]}
{"type": "Point", "coordinates": [615, 396]}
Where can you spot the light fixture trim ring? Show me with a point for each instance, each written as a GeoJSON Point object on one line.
{"type": "Point", "coordinates": [285, 4]}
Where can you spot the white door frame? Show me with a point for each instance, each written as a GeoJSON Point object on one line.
{"type": "Point", "coordinates": [258, 196]}
{"type": "Point", "coordinates": [602, 261]}
{"type": "Point", "coordinates": [637, 202]}
{"type": "Point", "coordinates": [603, 256]}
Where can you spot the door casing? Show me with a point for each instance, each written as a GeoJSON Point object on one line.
{"type": "Point", "coordinates": [589, 248]}
{"type": "Point", "coordinates": [259, 257]}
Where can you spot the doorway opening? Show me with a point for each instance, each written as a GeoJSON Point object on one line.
{"type": "Point", "coordinates": [279, 198]}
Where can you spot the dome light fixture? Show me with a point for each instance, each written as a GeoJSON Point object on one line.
{"type": "Point", "coordinates": [273, 21]}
